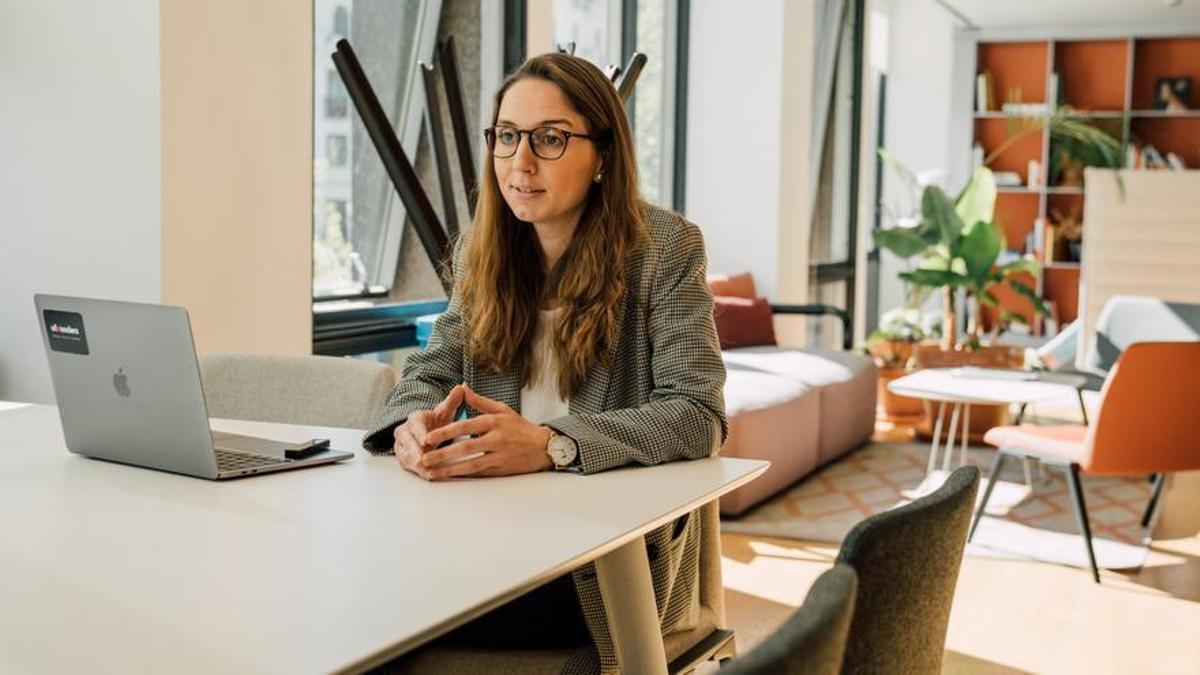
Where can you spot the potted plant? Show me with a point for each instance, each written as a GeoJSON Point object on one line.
{"type": "Point", "coordinates": [954, 246]}
{"type": "Point", "coordinates": [891, 346]}
{"type": "Point", "coordinates": [957, 246]}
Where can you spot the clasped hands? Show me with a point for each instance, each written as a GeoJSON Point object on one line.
{"type": "Point", "coordinates": [510, 443]}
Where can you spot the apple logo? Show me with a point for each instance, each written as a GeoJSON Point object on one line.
{"type": "Point", "coordinates": [121, 383]}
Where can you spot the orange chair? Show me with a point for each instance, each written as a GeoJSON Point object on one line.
{"type": "Point", "coordinates": [1144, 425]}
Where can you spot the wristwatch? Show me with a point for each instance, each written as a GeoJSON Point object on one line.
{"type": "Point", "coordinates": [562, 450]}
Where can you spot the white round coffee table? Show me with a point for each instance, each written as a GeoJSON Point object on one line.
{"type": "Point", "coordinates": [964, 387]}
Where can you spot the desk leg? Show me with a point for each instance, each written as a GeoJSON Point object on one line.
{"type": "Point", "coordinates": [933, 444]}
{"type": "Point", "coordinates": [950, 438]}
{"type": "Point", "coordinates": [962, 448]}
{"type": "Point", "coordinates": [625, 585]}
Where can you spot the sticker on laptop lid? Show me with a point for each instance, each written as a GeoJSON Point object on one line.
{"type": "Point", "coordinates": [65, 331]}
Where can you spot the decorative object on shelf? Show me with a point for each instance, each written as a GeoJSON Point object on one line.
{"type": "Point", "coordinates": [958, 245]}
{"type": "Point", "coordinates": [1068, 224]}
{"type": "Point", "coordinates": [1005, 178]}
{"type": "Point", "coordinates": [1074, 144]}
{"type": "Point", "coordinates": [1173, 94]}
{"type": "Point", "coordinates": [1034, 173]}
{"type": "Point", "coordinates": [1025, 109]}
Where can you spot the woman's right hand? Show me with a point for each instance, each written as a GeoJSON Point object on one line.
{"type": "Point", "coordinates": [410, 443]}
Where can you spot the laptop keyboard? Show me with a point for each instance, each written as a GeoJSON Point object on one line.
{"type": "Point", "coordinates": [232, 461]}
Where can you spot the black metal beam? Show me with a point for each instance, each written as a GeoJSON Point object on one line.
{"type": "Point", "coordinates": [683, 44]}
{"type": "Point", "coordinates": [452, 80]}
{"type": "Point", "coordinates": [437, 139]}
{"type": "Point", "coordinates": [395, 162]}
{"type": "Point", "coordinates": [629, 78]}
{"type": "Point", "coordinates": [516, 17]}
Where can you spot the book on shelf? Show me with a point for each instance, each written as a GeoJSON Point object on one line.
{"type": "Point", "coordinates": [984, 101]}
{"type": "Point", "coordinates": [1176, 162]}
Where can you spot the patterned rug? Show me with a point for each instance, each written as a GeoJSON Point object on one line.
{"type": "Point", "coordinates": [1020, 522]}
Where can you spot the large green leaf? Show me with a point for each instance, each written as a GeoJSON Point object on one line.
{"type": "Point", "coordinates": [987, 298]}
{"type": "Point", "coordinates": [1027, 264]}
{"type": "Point", "coordinates": [979, 248]}
{"type": "Point", "coordinates": [904, 242]}
{"type": "Point", "coordinates": [937, 208]}
{"type": "Point", "coordinates": [1038, 303]}
{"type": "Point", "coordinates": [936, 278]}
{"type": "Point", "coordinates": [1013, 317]}
{"type": "Point", "coordinates": [978, 200]}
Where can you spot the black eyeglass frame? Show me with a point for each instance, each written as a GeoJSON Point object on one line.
{"type": "Point", "coordinates": [489, 134]}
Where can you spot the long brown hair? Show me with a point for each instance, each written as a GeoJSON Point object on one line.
{"type": "Point", "coordinates": [505, 281]}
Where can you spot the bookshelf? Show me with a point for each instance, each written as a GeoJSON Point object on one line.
{"type": "Point", "coordinates": [1109, 82]}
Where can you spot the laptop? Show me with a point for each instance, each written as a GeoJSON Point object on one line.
{"type": "Point", "coordinates": [128, 388]}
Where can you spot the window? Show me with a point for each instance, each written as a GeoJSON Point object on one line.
{"type": "Point", "coordinates": [358, 221]}
{"type": "Point", "coordinates": [598, 29]}
{"type": "Point", "coordinates": [337, 103]}
{"type": "Point", "coordinates": [653, 100]}
{"type": "Point", "coordinates": [336, 150]}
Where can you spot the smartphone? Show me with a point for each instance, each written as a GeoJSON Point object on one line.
{"type": "Point", "coordinates": [306, 449]}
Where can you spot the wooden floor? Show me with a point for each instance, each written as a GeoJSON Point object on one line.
{"type": "Point", "coordinates": [1014, 616]}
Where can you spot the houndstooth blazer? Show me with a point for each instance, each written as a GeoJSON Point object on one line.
{"type": "Point", "coordinates": [659, 399]}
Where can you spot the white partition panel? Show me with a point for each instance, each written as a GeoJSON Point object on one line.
{"type": "Point", "coordinates": [1141, 237]}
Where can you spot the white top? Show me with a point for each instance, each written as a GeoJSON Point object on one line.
{"type": "Point", "coordinates": [942, 384]}
{"type": "Point", "coordinates": [540, 401]}
{"type": "Point", "coordinates": [112, 568]}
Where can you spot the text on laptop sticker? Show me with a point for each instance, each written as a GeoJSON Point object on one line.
{"type": "Point", "coordinates": [65, 331]}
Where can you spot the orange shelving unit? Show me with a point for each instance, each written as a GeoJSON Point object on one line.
{"type": "Point", "coordinates": [1110, 83]}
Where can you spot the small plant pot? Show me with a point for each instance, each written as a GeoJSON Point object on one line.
{"type": "Point", "coordinates": [894, 407]}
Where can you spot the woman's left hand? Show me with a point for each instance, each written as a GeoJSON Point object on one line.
{"type": "Point", "coordinates": [511, 444]}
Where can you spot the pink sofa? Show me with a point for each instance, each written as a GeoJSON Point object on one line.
{"type": "Point", "coordinates": [798, 408]}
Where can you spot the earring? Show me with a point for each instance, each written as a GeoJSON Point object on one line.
{"type": "Point", "coordinates": [597, 178]}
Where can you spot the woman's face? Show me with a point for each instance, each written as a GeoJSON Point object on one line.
{"type": "Point", "coordinates": [545, 191]}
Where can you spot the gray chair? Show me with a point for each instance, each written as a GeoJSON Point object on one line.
{"type": "Point", "coordinates": [321, 391]}
{"type": "Point", "coordinates": [813, 640]}
{"type": "Point", "coordinates": [907, 561]}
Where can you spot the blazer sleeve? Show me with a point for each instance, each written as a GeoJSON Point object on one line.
{"type": "Point", "coordinates": [685, 416]}
{"type": "Point", "coordinates": [429, 374]}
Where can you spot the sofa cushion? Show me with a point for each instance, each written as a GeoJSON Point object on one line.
{"type": "Point", "coordinates": [743, 322]}
{"type": "Point", "coordinates": [845, 383]}
{"type": "Point", "coordinates": [772, 418]}
{"type": "Point", "coordinates": [736, 285]}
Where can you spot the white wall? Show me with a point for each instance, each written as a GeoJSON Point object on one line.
{"type": "Point", "coordinates": [79, 169]}
{"type": "Point", "coordinates": [919, 105]}
{"type": "Point", "coordinates": [749, 101]}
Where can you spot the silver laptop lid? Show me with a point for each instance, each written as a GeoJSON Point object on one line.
{"type": "Point", "coordinates": [127, 383]}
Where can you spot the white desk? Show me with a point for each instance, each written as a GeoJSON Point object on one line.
{"type": "Point", "coordinates": [105, 567]}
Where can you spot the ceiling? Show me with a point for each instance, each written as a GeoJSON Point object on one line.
{"type": "Point", "coordinates": [1110, 13]}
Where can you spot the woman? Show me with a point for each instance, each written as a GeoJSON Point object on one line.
{"type": "Point", "coordinates": [579, 334]}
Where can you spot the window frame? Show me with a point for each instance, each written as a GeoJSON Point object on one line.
{"type": "Point", "coordinates": [845, 271]}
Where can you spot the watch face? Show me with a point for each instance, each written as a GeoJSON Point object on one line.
{"type": "Point", "coordinates": [562, 450]}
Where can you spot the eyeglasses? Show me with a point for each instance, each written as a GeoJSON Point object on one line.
{"type": "Point", "coordinates": [546, 142]}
